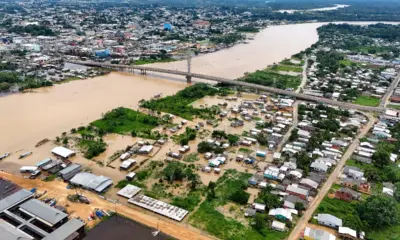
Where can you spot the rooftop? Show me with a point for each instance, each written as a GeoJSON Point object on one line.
{"type": "Point", "coordinates": [43, 211]}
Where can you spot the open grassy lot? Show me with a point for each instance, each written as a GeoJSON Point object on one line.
{"type": "Point", "coordinates": [272, 79]}
{"type": "Point", "coordinates": [208, 218]}
{"type": "Point", "coordinates": [367, 101]}
{"type": "Point", "coordinates": [290, 62]}
{"type": "Point", "coordinates": [286, 68]}
{"type": "Point", "coordinates": [342, 209]}
{"type": "Point", "coordinates": [125, 120]}
{"type": "Point", "coordinates": [179, 104]}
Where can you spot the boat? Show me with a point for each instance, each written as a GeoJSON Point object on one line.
{"type": "Point", "coordinates": [4, 155]}
{"type": "Point", "coordinates": [25, 155]}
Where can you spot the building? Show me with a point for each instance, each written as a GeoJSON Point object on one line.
{"type": "Point", "coordinates": [23, 217]}
{"type": "Point", "coordinates": [281, 214]}
{"type": "Point", "coordinates": [70, 171]}
{"type": "Point", "coordinates": [347, 233]}
{"type": "Point", "coordinates": [319, 167]}
{"type": "Point", "coordinates": [329, 220]}
{"type": "Point", "coordinates": [297, 191]}
{"type": "Point", "coordinates": [279, 226]}
{"type": "Point", "coordinates": [92, 182]}
{"type": "Point", "coordinates": [314, 234]}
{"type": "Point", "coordinates": [63, 152]}
{"type": "Point", "coordinates": [146, 149]}
{"type": "Point", "coordinates": [347, 194]}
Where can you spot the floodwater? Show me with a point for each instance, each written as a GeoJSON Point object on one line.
{"type": "Point", "coordinates": [45, 113]}
{"type": "Point", "coordinates": [337, 6]}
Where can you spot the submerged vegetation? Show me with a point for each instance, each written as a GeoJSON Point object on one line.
{"type": "Point", "coordinates": [125, 120]}
{"type": "Point", "coordinates": [179, 104]}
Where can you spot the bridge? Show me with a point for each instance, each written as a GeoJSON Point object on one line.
{"type": "Point", "coordinates": [189, 75]}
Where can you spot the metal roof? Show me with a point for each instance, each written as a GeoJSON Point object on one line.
{"type": "Point", "coordinates": [91, 181]}
{"type": "Point", "coordinates": [14, 199]}
{"type": "Point", "coordinates": [63, 152]}
{"type": "Point", "coordinates": [9, 232]}
{"type": "Point", "coordinates": [70, 168]}
{"type": "Point", "coordinates": [65, 230]}
{"type": "Point", "coordinates": [43, 211]}
{"type": "Point", "coordinates": [322, 217]}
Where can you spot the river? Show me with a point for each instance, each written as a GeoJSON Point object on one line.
{"type": "Point", "coordinates": [337, 6]}
{"type": "Point", "coordinates": [45, 113]}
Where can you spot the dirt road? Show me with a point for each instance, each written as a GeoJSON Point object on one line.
{"type": "Point", "coordinates": [58, 190]}
{"type": "Point", "coordinates": [295, 234]}
{"type": "Point", "coordinates": [294, 125]}
{"type": "Point", "coordinates": [304, 76]}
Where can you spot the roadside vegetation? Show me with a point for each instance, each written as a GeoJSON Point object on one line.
{"type": "Point", "coordinates": [272, 79]}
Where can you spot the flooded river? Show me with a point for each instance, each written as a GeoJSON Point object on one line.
{"type": "Point", "coordinates": [46, 113]}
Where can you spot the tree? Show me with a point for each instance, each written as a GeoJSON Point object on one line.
{"type": "Point", "coordinates": [378, 211]}
{"type": "Point", "coordinates": [294, 134]}
{"type": "Point", "coordinates": [381, 157]}
{"type": "Point", "coordinates": [397, 191]}
{"type": "Point", "coordinates": [211, 190]}
{"type": "Point", "coordinates": [240, 196]}
{"type": "Point", "coordinates": [259, 222]}
{"type": "Point", "coordinates": [266, 197]}
{"type": "Point", "coordinates": [299, 206]}
{"type": "Point", "coordinates": [204, 147]}
{"type": "Point", "coordinates": [233, 139]}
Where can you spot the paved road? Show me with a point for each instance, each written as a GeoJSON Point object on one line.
{"type": "Point", "coordinates": [301, 224]}
{"type": "Point", "coordinates": [234, 82]}
{"type": "Point", "coordinates": [389, 92]}
{"type": "Point", "coordinates": [294, 125]}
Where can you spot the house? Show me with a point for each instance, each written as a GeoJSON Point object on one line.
{"type": "Point", "coordinates": [319, 167]}
{"type": "Point", "coordinates": [308, 183]}
{"type": "Point", "coordinates": [70, 171]}
{"type": "Point", "coordinates": [146, 149]}
{"type": "Point", "coordinates": [250, 212]}
{"type": "Point", "coordinates": [259, 207]}
{"type": "Point", "coordinates": [63, 152]}
{"type": "Point", "coordinates": [347, 194]}
{"type": "Point", "coordinates": [294, 199]}
{"type": "Point", "coordinates": [314, 234]}
{"type": "Point", "coordinates": [362, 185]}
{"type": "Point", "coordinates": [92, 182]}
{"type": "Point", "coordinates": [297, 191]}
{"type": "Point", "coordinates": [255, 179]}
{"type": "Point", "coordinates": [281, 214]}
{"type": "Point", "coordinates": [329, 220]}
{"type": "Point", "coordinates": [347, 233]}
{"type": "Point", "coordinates": [279, 226]}
{"type": "Point", "coordinates": [353, 172]}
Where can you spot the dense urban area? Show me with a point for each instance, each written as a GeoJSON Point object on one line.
{"type": "Point", "coordinates": [195, 143]}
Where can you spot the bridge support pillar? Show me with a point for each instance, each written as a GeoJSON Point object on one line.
{"type": "Point", "coordinates": [189, 79]}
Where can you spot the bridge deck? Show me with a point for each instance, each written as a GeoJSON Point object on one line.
{"type": "Point", "coordinates": [233, 82]}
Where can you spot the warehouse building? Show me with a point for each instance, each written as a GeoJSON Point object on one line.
{"type": "Point", "coordinates": [92, 182]}
{"type": "Point", "coordinates": [24, 217]}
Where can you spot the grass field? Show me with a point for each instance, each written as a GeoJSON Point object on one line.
{"type": "Point", "coordinates": [367, 101]}
{"type": "Point", "coordinates": [207, 218]}
{"type": "Point", "coordinates": [179, 104]}
{"type": "Point", "coordinates": [343, 210]}
{"type": "Point", "coordinates": [393, 106]}
{"type": "Point", "coordinates": [272, 79]}
{"type": "Point", "coordinates": [125, 120]}
{"type": "Point", "coordinates": [286, 68]}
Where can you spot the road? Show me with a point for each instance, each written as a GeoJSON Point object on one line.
{"type": "Point", "coordinates": [389, 91]}
{"type": "Point", "coordinates": [304, 76]}
{"type": "Point", "coordinates": [294, 125]}
{"type": "Point", "coordinates": [295, 234]}
{"type": "Point", "coordinates": [58, 190]}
